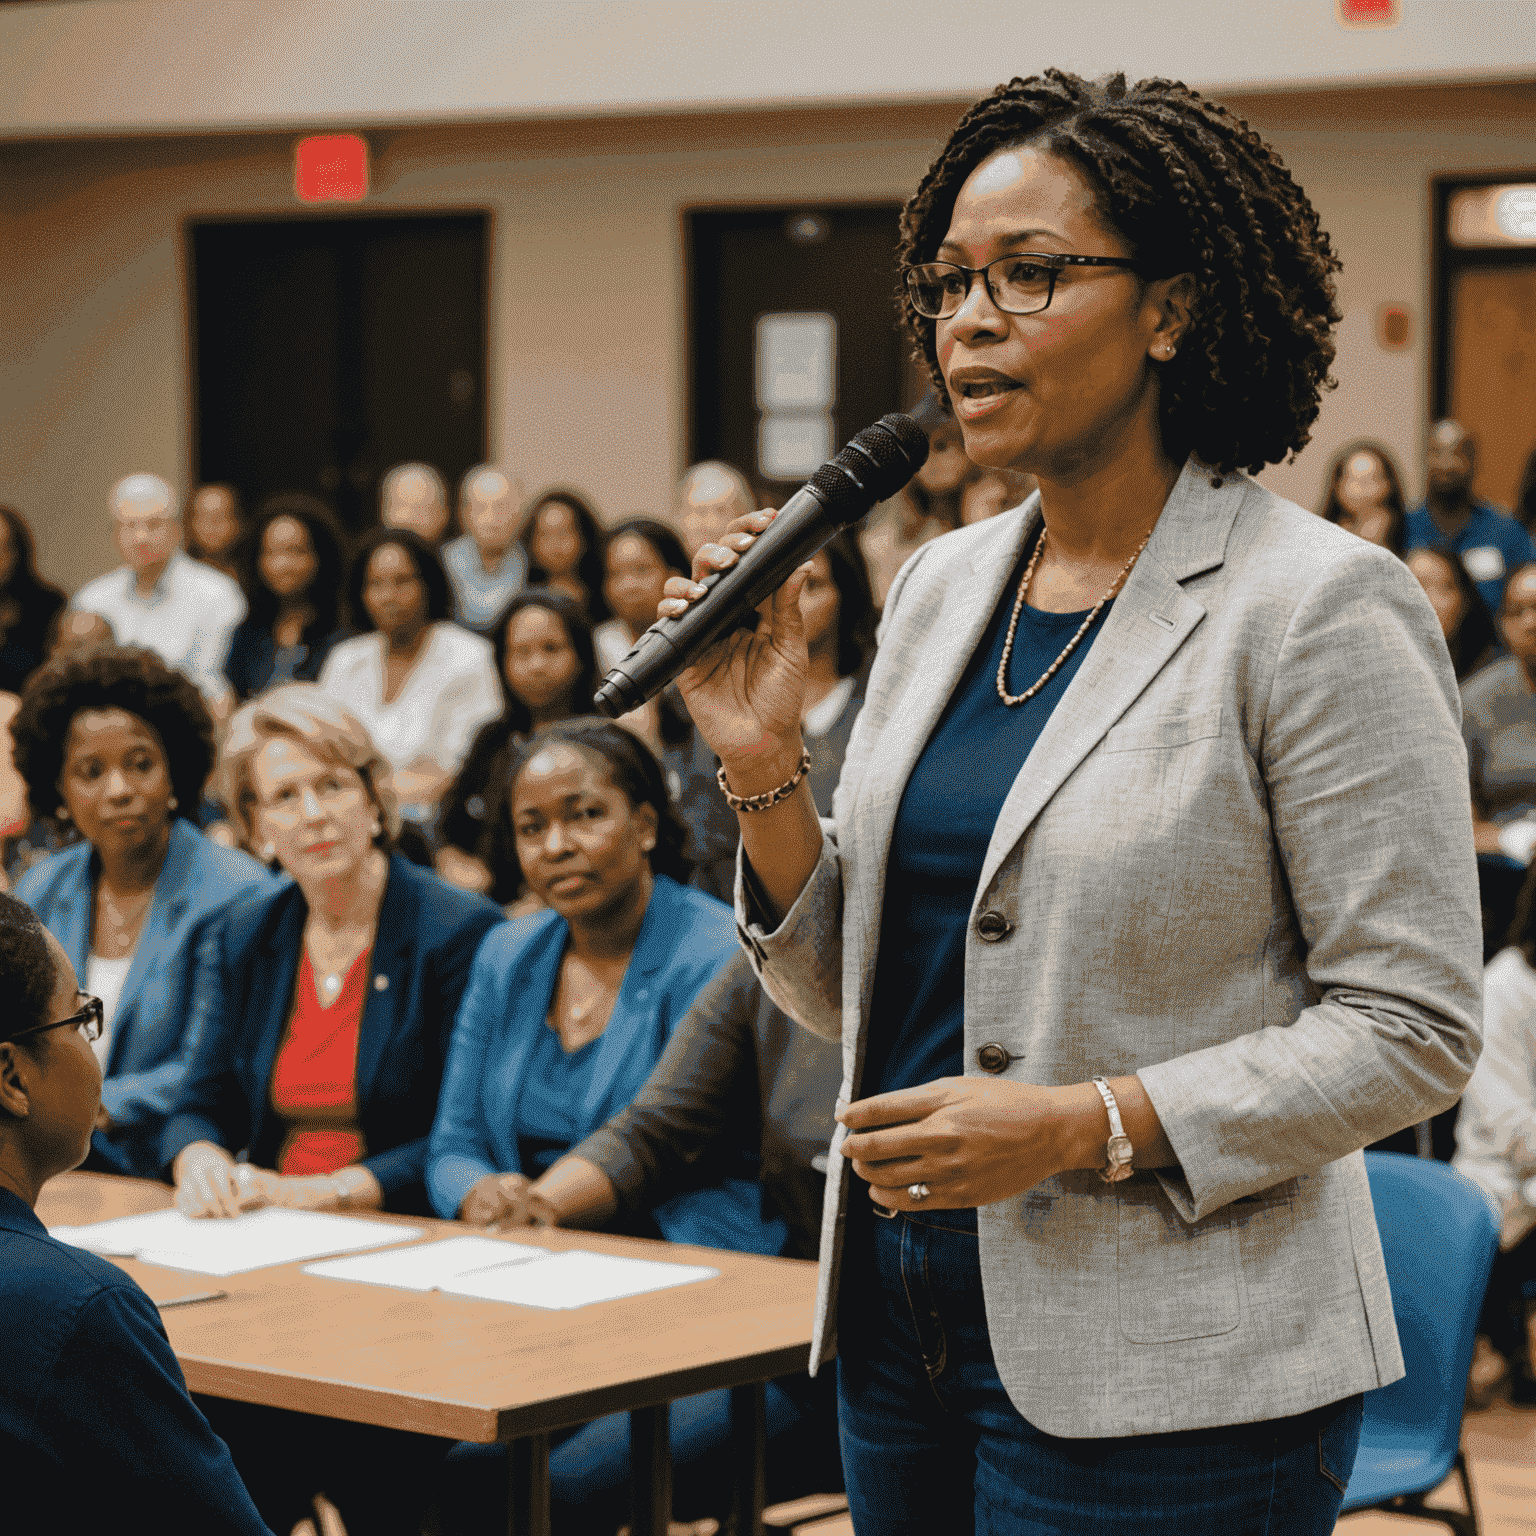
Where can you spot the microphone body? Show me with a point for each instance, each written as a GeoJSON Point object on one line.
{"type": "Point", "coordinates": [872, 468]}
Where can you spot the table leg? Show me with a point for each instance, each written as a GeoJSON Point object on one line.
{"type": "Point", "coordinates": [528, 1486]}
{"type": "Point", "coordinates": [650, 1471]}
{"type": "Point", "coordinates": [749, 1458]}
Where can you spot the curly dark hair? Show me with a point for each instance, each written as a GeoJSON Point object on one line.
{"type": "Point", "coordinates": [325, 538]}
{"type": "Point", "coordinates": [111, 677]}
{"type": "Point", "coordinates": [28, 971]}
{"type": "Point", "coordinates": [429, 569]}
{"type": "Point", "coordinates": [632, 769]}
{"type": "Point", "coordinates": [1190, 188]}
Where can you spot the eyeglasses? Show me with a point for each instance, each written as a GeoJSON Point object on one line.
{"type": "Point", "coordinates": [1019, 285]}
{"type": "Point", "coordinates": [89, 1019]}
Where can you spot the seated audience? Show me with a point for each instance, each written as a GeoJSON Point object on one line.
{"type": "Point", "coordinates": [420, 685]}
{"type": "Point", "coordinates": [121, 745]}
{"type": "Point", "coordinates": [991, 491]}
{"type": "Point", "coordinates": [29, 606]}
{"type": "Point", "coordinates": [738, 1076]}
{"type": "Point", "coordinates": [1498, 723]}
{"type": "Point", "coordinates": [160, 598]}
{"type": "Point", "coordinates": [294, 592]}
{"type": "Point", "coordinates": [639, 556]}
{"type": "Point", "coordinates": [544, 655]}
{"type": "Point", "coordinates": [1469, 629]}
{"type": "Point", "coordinates": [333, 995]}
{"type": "Point", "coordinates": [1491, 544]}
{"type": "Point", "coordinates": [413, 497]}
{"type": "Point", "coordinates": [1365, 495]}
{"type": "Point", "coordinates": [96, 1428]}
{"type": "Point", "coordinates": [709, 497]}
{"type": "Point", "coordinates": [79, 631]}
{"type": "Point", "coordinates": [930, 504]}
{"type": "Point", "coordinates": [216, 529]}
{"type": "Point", "coordinates": [563, 543]}
{"type": "Point", "coordinates": [1496, 1139]}
{"type": "Point", "coordinates": [486, 564]}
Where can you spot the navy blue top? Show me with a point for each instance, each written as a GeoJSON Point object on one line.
{"type": "Point", "coordinates": [948, 811]}
{"type": "Point", "coordinates": [95, 1421]}
{"type": "Point", "coordinates": [549, 1124]}
{"type": "Point", "coordinates": [1492, 545]}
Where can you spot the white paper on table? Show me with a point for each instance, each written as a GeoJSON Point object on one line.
{"type": "Point", "coordinates": [575, 1278]}
{"type": "Point", "coordinates": [232, 1245]}
{"type": "Point", "coordinates": [427, 1266]}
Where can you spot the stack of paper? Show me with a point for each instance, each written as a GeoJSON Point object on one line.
{"type": "Point", "coordinates": [489, 1270]}
{"type": "Point", "coordinates": [230, 1246]}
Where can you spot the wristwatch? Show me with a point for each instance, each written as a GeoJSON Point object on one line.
{"type": "Point", "coordinates": [1117, 1150]}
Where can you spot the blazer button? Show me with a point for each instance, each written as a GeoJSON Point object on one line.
{"type": "Point", "coordinates": [993, 1058]}
{"type": "Point", "coordinates": [993, 926]}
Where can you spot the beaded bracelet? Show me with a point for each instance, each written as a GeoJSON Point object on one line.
{"type": "Point", "coordinates": [769, 797]}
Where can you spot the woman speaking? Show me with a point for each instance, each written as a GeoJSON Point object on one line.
{"type": "Point", "coordinates": [1147, 898]}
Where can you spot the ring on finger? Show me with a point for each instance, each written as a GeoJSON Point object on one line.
{"type": "Point", "coordinates": [918, 1191]}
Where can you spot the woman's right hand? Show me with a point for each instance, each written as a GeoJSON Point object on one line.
{"type": "Point", "coordinates": [746, 692]}
{"type": "Point", "coordinates": [206, 1182]}
{"type": "Point", "coordinates": [485, 1202]}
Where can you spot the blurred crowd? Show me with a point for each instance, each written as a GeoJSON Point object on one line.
{"type": "Point", "coordinates": [277, 793]}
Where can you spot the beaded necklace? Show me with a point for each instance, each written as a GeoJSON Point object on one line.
{"type": "Point", "coordinates": [1010, 699]}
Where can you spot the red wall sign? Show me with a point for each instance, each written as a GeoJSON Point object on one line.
{"type": "Point", "coordinates": [332, 168]}
{"type": "Point", "coordinates": [1368, 13]}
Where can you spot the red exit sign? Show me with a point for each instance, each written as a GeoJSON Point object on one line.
{"type": "Point", "coordinates": [1357, 14]}
{"type": "Point", "coordinates": [331, 168]}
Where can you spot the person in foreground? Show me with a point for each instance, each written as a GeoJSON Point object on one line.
{"type": "Point", "coordinates": [566, 1013]}
{"type": "Point", "coordinates": [95, 1420]}
{"type": "Point", "coordinates": [119, 745]}
{"type": "Point", "coordinates": [334, 994]}
{"type": "Point", "coordinates": [1148, 896]}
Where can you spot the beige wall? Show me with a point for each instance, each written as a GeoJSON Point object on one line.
{"type": "Point", "coordinates": [93, 310]}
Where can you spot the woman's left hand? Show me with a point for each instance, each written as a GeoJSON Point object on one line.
{"type": "Point", "coordinates": [970, 1140]}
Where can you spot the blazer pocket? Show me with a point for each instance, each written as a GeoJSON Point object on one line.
{"type": "Point", "coordinates": [1161, 734]}
{"type": "Point", "coordinates": [1177, 1281]}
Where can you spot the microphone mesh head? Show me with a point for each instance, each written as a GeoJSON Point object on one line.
{"type": "Point", "coordinates": [873, 467]}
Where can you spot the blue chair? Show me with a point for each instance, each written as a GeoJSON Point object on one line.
{"type": "Point", "coordinates": [1439, 1235]}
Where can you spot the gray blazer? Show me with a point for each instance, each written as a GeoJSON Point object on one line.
{"type": "Point", "coordinates": [1238, 862]}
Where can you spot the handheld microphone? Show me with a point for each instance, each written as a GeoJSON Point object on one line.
{"type": "Point", "coordinates": [873, 467]}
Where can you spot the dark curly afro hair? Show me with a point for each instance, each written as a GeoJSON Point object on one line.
{"type": "Point", "coordinates": [111, 677]}
{"type": "Point", "coordinates": [1191, 188]}
{"type": "Point", "coordinates": [28, 971]}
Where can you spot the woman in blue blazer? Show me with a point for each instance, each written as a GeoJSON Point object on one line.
{"type": "Point", "coordinates": [335, 993]}
{"type": "Point", "coordinates": [567, 1011]}
{"type": "Point", "coordinates": [119, 744]}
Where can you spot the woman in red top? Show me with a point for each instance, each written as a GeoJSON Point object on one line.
{"type": "Point", "coordinates": [322, 1058]}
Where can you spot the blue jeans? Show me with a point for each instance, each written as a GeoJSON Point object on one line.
{"type": "Point", "coordinates": [932, 1442]}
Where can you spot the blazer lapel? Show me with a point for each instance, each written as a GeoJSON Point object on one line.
{"type": "Point", "coordinates": [1151, 618]}
{"type": "Point", "coordinates": [159, 939]}
{"type": "Point", "coordinates": [966, 607]}
{"type": "Point", "coordinates": [389, 981]}
{"type": "Point", "coordinates": [270, 1009]}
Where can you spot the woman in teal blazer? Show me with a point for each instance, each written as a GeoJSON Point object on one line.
{"type": "Point", "coordinates": [115, 741]}
{"type": "Point", "coordinates": [567, 1011]}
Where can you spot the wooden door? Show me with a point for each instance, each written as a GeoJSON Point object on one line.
{"type": "Point", "coordinates": [1492, 343]}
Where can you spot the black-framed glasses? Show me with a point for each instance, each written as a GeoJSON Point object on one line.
{"type": "Point", "coordinates": [88, 1018]}
{"type": "Point", "coordinates": [1019, 285]}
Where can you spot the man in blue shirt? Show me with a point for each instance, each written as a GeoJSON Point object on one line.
{"type": "Point", "coordinates": [97, 1432]}
{"type": "Point", "coordinates": [1490, 543]}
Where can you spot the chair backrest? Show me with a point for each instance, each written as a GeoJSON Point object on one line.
{"type": "Point", "coordinates": [1439, 1235]}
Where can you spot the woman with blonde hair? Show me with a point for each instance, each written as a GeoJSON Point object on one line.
{"type": "Point", "coordinates": [321, 1061]}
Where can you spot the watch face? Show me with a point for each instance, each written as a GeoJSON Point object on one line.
{"type": "Point", "coordinates": [1119, 1149]}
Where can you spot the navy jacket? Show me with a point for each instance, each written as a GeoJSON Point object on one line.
{"type": "Point", "coordinates": [96, 1429]}
{"type": "Point", "coordinates": [428, 934]}
{"type": "Point", "coordinates": [685, 939]}
{"type": "Point", "coordinates": [165, 1002]}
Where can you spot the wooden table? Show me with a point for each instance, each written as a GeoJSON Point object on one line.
{"type": "Point", "coordinates": [481, 1370]}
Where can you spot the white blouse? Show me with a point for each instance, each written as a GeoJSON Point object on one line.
{"type": "Point", "coordinates": [448, 695]}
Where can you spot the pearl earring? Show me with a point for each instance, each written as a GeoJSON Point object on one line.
{"type": "Point", "coordinates": [648, 844]}
{"type": "Point", "coordinates": [375, 829]}
{"type": "Point", "coordinates": [172, 803]}
{"type": "Point", "coordinates": [268, 853]}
